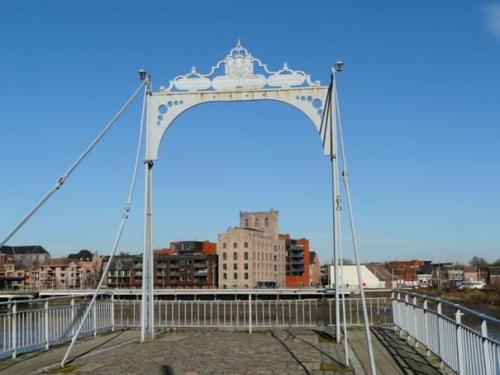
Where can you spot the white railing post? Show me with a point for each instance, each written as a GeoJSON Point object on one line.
{"type": "Point", "coordinates": [426, 327]}
{"type": "Point", "coordinates": [94, 313]}
{"type": "Point", "coordinates": [486, 348]}
{"type": "Point", "coordinates": [73, 314]}
{"type": "Point", "coordinates": [112, 312]}
{"type": "Point", "coordinates": [14, 330]}
{"type": "Point", "coordinates": [249, 313]}
{"type": "Point", "coordinates": [399, 314]}
{"type": "Point", "coordinates": [46, 318]}
{"type": "Point", "coordinates": [415, 322]}
{"type": "Point", "coordinates": [440, 321]}
{"type": "Point", "coordinates": [460, 348]}
{"type": "Point", "coordinates": [407, 317]}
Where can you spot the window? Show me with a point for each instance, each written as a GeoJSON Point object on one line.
{"type": "Point", "coordinates": [224, 245]}
{"type": "Point", "coordinates": [246, 255]}
{"type": "Point", "coordinates": [256, 221]}
{"type": "Point", "coordinates": [235, 245]}
{"type": "Point", "coordinates": [235, 275]}
{"type": "Point", "coordinates": [246, 275]}
{"type": "Point", "coordinates": [245, 245]}
{"type": "Point", "coordinates": [246, 222]}
{"type": "Point", "coordinates": [225, 276]}
{"type": "Point", "coordinates": [275, 267]}
{"type": "Point", "coordinates": [235, 256]}
{"type": "Point", "coordinates": [246, 266]}
{"type": "Point", "coordinates": [275, 258]}
{"type": "Point", "coordinates": [235, 266]}
{"type": "Point", "coordinates": [224, 266]}
{"type": "Point", "coordinates": [266, 222]}
{"type": "Point", "coordinates": [224, 256]}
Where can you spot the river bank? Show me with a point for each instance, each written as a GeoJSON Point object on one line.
{"type": "Point", "coordinates": [485, 301]}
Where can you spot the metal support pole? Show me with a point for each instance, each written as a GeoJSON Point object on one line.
{"type": "Point", "coordinates": [335, 213]}
{"type": "Point", "coordinates": [345, 177]}
{"type": "Point", "coordinates": [147, 302]}
{"type": "Point", "coordinates": [249, 313]}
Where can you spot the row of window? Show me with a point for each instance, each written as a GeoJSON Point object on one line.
{"type": "Point", "coordinates": [245, 245]}
{"type": "Point", "coordinates": [235, 266]}
{"type": "Point", "coordinates": [235, 256]}
{"type": "Point", "coordinates": [235, 245]}
{"type": "Point", "coordinates": [235, 275]}
{"type": "Point", "coordinates": [256, 221]}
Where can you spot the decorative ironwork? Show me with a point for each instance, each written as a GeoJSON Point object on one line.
{"type": "Point", "coordinates": [239, 66]}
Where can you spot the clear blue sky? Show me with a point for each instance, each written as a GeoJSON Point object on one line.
{"type": "Point", "coordinates": [420, 100]}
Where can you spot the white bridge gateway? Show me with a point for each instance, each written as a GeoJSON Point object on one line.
{"type": "Point", "coordinates": [40, 323]}
{"type": "Point", "coordinates": [465, 341]}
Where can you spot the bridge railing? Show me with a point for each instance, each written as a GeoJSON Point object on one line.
{"type": "Point", "coordinates": [30, 325]}
{"type": "Point", "coordinates": [465, 340]}
{"type": "Point", "coordinates": [252, 313]}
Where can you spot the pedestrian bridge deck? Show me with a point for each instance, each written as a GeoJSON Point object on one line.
{"type": "Point", "coordinates": [211, 351]}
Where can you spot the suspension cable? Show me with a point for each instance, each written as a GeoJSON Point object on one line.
{"type": "Point", "coordinates": [73, 166]}
{"type": "Point", "coordinates": [345, 178]}
{"type": "Point", "coordinates": [126, 210]}
{"type": "Point", "coordinates": [342, 297]}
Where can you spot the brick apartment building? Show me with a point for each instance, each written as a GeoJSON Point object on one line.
{"type": "Point", "coordinates": [297, 262]}
{"type": "Point", "coordinates": [186, 264]}
{"type": "Point", "coordinates": [252, 255]}
{"type": "Point", "coordinates": [314, 270]}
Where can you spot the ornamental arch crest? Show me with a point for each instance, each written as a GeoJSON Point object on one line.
{"type": "Point", "coordinates": [243, 78]}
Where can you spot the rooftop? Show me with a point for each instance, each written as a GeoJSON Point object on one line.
{"type": "Point", "coordinates": [28, 249]}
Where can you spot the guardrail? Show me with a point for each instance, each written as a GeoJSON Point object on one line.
{"type": "Point", "coordinates": [456, 334]}
{"type": "Point", "coordinates": [36, 324]}
{"type": "Point", "coordinates": [252, 313]}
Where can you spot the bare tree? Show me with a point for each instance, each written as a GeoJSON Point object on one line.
{"type": "Point", "coordinates": [478, 261]}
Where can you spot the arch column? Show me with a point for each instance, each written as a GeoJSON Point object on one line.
{"type": "Point", "coordinates": [147, 302]}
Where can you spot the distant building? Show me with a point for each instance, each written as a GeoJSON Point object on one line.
{"type": "Point", "coordinates": [494, 276]}
{"type": "Point", "coordinates": [186, 264]}
{"type": "Point", "coordinates": [447, 275]}
{"type": "Point", "coordinates": [252, 255]}
{"type": "Point", "coordinates": [26, 256]}
{"type": "Point", "coordinates": [351, 280]}
{"type": "Point", "coordinates": [58, 273]}
{"type": "Point", "coordinates": [314, 270]}
{"type": "Point", "coordinates": [10, 276]}
{"type": "Point", "coordinates": [125, 271]}
{"type": "Point", "coordinates": [475, 273]}
{"type": "Point", "coordinates": [382, 273]}
{"type": "Point", "coordinates": [297, 262]}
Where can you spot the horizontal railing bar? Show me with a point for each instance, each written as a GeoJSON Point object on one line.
{"type": "Point", "coordinates": [462, 308]}
{"type": "Point", "coordinates": [43, 299]}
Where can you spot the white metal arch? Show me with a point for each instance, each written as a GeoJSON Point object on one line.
{"type": "Point", "coordinates": [165, 107]}
{"type": "Point", "coordinates": [245, 78]}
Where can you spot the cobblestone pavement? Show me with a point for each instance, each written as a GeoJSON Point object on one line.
{"type": "Point", "coordinates": [219, 352]}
